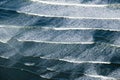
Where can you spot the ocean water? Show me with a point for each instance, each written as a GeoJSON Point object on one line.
{"type": "Point", "coordinates": [59, 39]}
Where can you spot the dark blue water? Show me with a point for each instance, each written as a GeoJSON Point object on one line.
{"type": "Point", "coordinates": [44, 40]}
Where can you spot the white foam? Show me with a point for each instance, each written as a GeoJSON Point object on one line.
{"type": "Point", "coordinates": [115, 45]}
{"type": "Point", "coordinates": [29, 64]}
{"type": "Point", "coordinates": [10, 26]}
{"type": "Point", "coordinates": [69, 4]}
{"type": "Point", "coordinates": [101, 77]}
{"type": "Point", "coordinates": [69, 17]}
{"type": "Point", "coordinates": [5, 57]}
{"type": "Point", "coordinates": [4, 41]}
{"type": "Point", "coordinates": [60, 28]}
{"type": "Point", "coordinates": [78, 62]}
{"type": "Point", "coordinates": [45, 76]}
{"type": "Point", "coordinates": [52, 42]}
{"type": "Point", "coordinates": [53, 28]}
{"type": "Point", "coordinates": [93, 76]}
{"type": "Point", "coordinates": [50, 69]}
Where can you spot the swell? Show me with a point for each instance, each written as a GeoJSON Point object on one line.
{"type": "Point", "coordinates": [64, 52]}
{"type": "Point", "coordinates": [41, 35]}
{"type": "Point", "coordinates": [68, 12]}
{"type": "Point", "coordinates": [77, 4]}
{"type": "Point", "coordinates": [47, 67]}
{"type": "Point", "coordinates": [17, 72]}
{"type": "Point", "coordinates": [84, 1]}
{"type": "Point", "coordinates": [53, 42]}
{"type": "Point", "coordinates": [34, 44]}
{"type": "Point", "coordinates": [16, 18]}
{"type": "Point", "coordinates": [55, 16]}
{"type": "Point", "coordinates": [67, 4]}
{"type": "Point", "coordinates": [36, 76]}
{"type": "Point", "coordinates": [45, 64]}
{"type": "Point", "coordinates": [46, 50]}
{"type": "Point", "coordinates": [81, 62]}
{"type": "Point", "coordinates": [61, 36]}
{"type": "Point", "coordinates": [57, 28]}
{"type": "Point", "coordinates": [71, 1]}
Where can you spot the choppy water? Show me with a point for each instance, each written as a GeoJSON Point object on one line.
{"type": "Point", "coordinates": [59, 40]}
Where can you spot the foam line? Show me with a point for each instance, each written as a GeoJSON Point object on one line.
{"type": "Point", "coordinates": [59, 29]}
{"type": "Point", "coordinates": [29, 64]}
{"type": "Point", "coordinates": [69, 17]}
{"type": "Point", "coordinates": [78, 62]}
{"type": "Point", "coordinates": [80, 29]}
{"type": "Point", "coordinates": [69, 4]}
{"type": "Point", "coordinates": [4, 57]}
{"type": "Point", "coordinates": [4, 41]}
{"type": "Point", "coordinates": [93, 76]}
{"type": "Point", "coordinates": [101, 77]}
{"type": "Point", "coordinates": [51, 42]}
{"type": "Point", "coordinates": [115, 45]}
{"type": "Point", "coordinates": [52, 16]}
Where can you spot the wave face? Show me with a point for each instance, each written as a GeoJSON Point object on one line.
{"type": "Point", "coordinates": [59, 40]}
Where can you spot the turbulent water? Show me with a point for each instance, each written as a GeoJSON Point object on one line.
{"type": "Point", "coordinates": [59, 40]}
